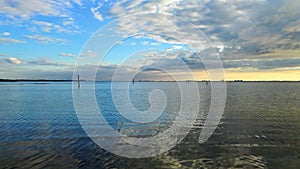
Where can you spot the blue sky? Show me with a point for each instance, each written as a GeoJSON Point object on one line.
{"type": "Point", "coordinates": [255, 40]}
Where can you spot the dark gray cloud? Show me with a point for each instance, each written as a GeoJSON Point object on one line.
{"type": "Point", "coordinates": [46, 62]}
{"type": "Point", "coordinates": [263, 64]}
{"type": "Point", "coordinates": [253, 26]}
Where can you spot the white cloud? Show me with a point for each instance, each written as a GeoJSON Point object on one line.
{"type": "Point", "coordinates": [174, 48]}
{"type": "Point", "coordinates": [78, 2]}
{"type": "Point", "coordinates": [96, 12]}
{"type": "Point", "coordinates": [13, 60]}
{"type": "Point", "coordinates": [88, 53]}
{"type": "Point", "coordinates": [69, 22]}
{"type": "Point", "coordinates": [10, 40]}
{"type": "Point", "coordinates": [20, 11]}
{"type": "Point", "coordinates": [292, 27]}
{"type": "Point", "coordinates": [45, 39]}
{"type": "Point", "coordinates": [163, 28]}
{"type": "Point", "coordinates": [66, 54]}
{"type": "Point", "coordinates": [150, 43]}
{"type": "Point", "coordinates": [68, 26]}
{"type": "Point", "coordinates": [26, 9]}
{"type": "Point", "coordinates": [5, 33]}
{"type": "Point", "coordinates": [43, 23]}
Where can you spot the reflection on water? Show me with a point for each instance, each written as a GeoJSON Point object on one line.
{"type": "Point", "coordinates": [260, 128]}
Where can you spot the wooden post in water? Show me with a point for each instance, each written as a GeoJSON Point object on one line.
{"type": "Point", "coordinates": [78, 80]}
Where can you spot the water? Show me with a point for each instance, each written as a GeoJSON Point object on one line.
{"type": "Point", "coordinates": [260, 128]}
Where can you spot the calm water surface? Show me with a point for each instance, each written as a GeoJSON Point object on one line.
{"type": "Point", "coordinates": [260, 127]}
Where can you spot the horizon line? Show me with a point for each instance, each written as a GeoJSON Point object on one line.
{"type": "Point", "coordinates": [68, 80]}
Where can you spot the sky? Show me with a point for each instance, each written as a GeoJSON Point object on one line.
{"type": "Point", "coordinates": [158, 40]}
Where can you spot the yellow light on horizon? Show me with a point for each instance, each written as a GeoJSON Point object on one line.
{"type": "Point", "coordinates": [273, 75]}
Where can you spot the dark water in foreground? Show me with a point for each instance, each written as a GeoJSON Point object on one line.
{"type": "Point", "coordinates": [260, 128]}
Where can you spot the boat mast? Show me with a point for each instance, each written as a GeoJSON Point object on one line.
{"type": "Point", "coordinates": [78, 80]}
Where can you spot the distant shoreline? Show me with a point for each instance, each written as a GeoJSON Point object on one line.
{"type": "Point", "coordinates": [33, 80]}
{"type": "Point", "coordinates": [204, 81]}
